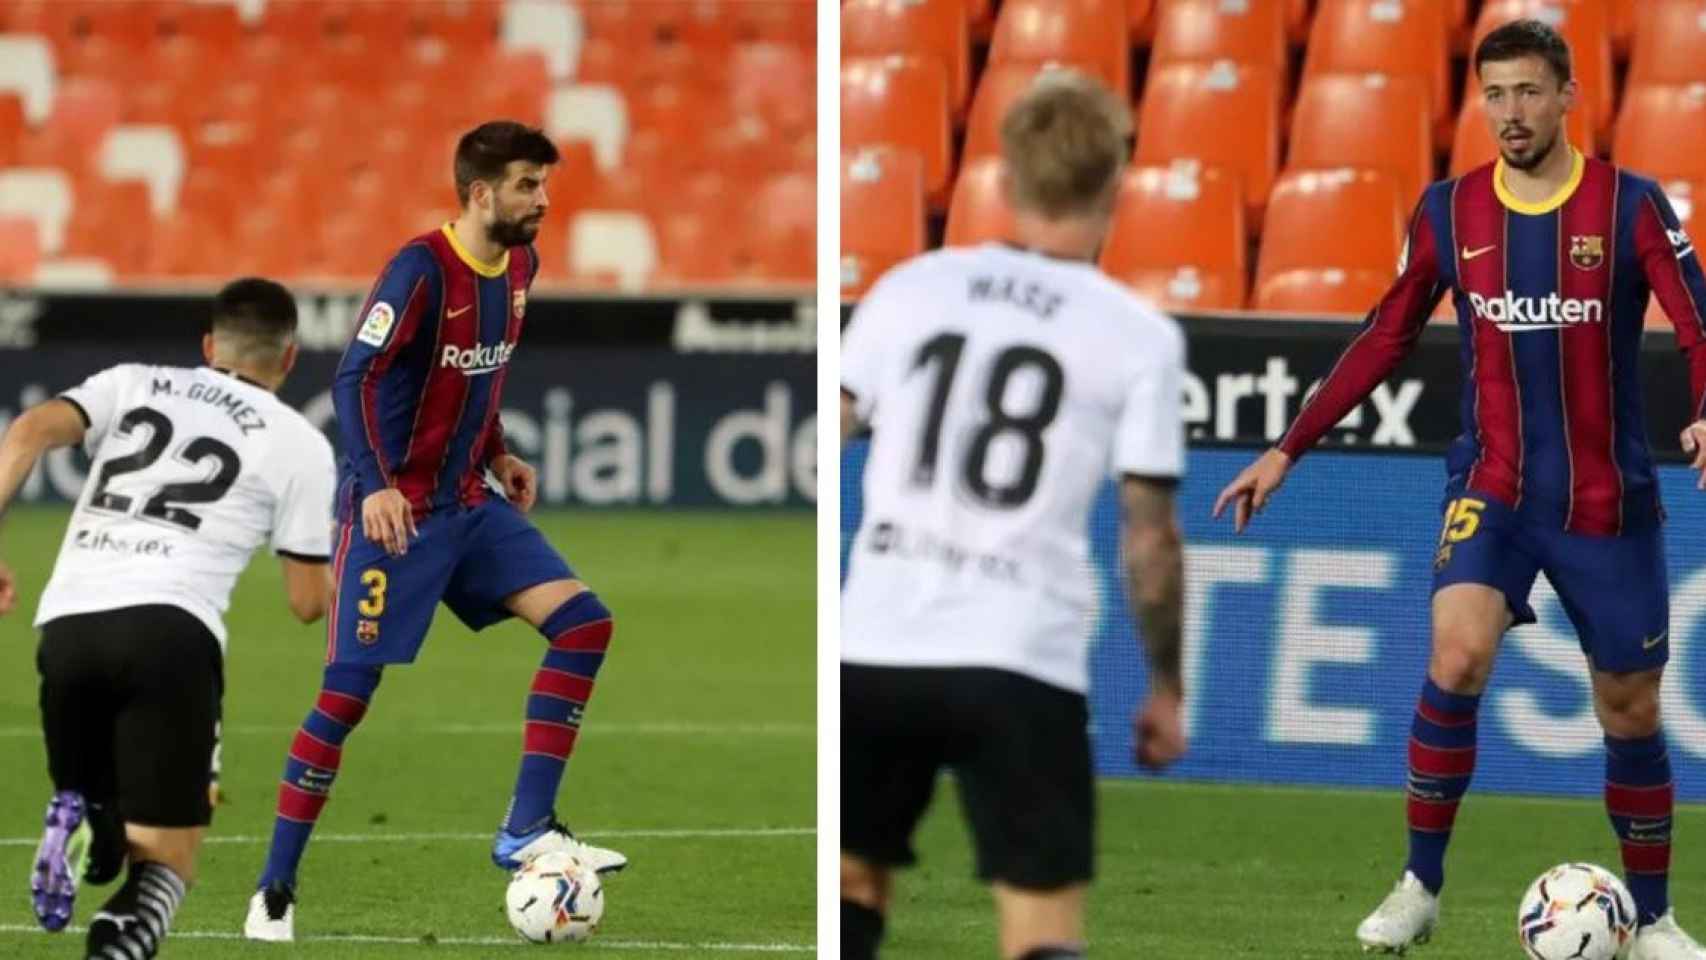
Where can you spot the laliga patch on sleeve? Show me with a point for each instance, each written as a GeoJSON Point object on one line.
{"type": "Point", "coordinates": [377, 326]}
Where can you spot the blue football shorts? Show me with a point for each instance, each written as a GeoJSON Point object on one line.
{"type": "Point", "coordinates": [469, 557]}
{"type": "Point", "coordinates": [1613, 588]}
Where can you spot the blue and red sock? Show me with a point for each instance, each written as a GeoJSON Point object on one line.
{"type": "Point", "coordinates": [1639, 798]}
{"type": "Point", "coordinates": [1442, 761]}
{"type": "Point", "coordinates": [579, 632]}
{"type": "Point", "coordinates": [312, 765]}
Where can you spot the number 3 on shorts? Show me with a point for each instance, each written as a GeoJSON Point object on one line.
{"type": "Point", "coordinates": [374, 603]}
{"type": "Point", "coordinates": [1462, 519]}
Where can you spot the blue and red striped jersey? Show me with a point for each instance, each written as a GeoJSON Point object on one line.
{"type": "Point", "coordinates": [418, 390]}
{"type": "Point", "coordinates": [1550, 304]}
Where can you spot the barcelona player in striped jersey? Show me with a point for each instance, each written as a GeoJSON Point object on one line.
{"type": "Point", "coordinates": [1550, 257]}
{"type": "Point", "coordinates": [417, 396]}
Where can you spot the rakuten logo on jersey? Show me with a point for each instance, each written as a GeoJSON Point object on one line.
{"type": "Point", "coordinates": [1514, 314]}
{"type": "Point", "coordinates": [477, 360]}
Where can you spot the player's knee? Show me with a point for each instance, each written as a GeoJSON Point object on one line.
{"type": "Point", "coordinates": [1633, 715]}
{"type": "Point", "coordinates": [358, 681]}
{"type": "Point", "coordinates": [1459, 665]}
{"type": "Point", "coordinates": [864, 883]}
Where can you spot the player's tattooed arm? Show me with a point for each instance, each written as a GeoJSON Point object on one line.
{"type": "Point", "coordinates": [1154, 555]}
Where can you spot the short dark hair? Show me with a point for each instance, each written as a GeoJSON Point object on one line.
{"type": "Point", "coordinates": [1526, 38]}
{"type": "Point", "coordinates": [485, 151]}
{"type": "Point", "coordinates": [260, 311]}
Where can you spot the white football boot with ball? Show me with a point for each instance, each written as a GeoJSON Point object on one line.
{"type": "Point", "coordinates": [1664, 940]}
{"type": "Point", "coordinates": [1404, 919]}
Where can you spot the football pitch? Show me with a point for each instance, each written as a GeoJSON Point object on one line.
{"type": "Point", "coordinates": [697, 757]}
{"type": "Point", "coordinates": [1199, 871]}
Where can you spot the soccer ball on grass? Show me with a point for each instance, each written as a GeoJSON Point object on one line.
{"type": "Point", "coordinates": [1576, 910]}
{"type": "Point", "coordinates": [555, 898]}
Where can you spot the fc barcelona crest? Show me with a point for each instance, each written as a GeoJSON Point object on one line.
{"type": "Point", "coordinates": [519, 301]}
{"type": "Point", "coordinates": [1587, 252]}
{"type": "Point", "coordinates": [367, 631]}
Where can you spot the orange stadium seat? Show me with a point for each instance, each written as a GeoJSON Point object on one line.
{"type": "Point", "coordinates": [1385, 36]}
{"type": "Point", "coordinates": [882, 214]}
{"type": "Point", "coordinates": [980, 18]}
{"type": "Point", "coordinates": [1191, 30]}
{"type": "Point", "coordinates": [1585, 26]}
{"type": "Point", "coordinates": [1137, 13]}
{"type": "Point", "coordinates": [1090, 32]}
{"type": "Point", "coordinates": [781, 228]}
{"type": "Point", "coordinates": [1322, 291]}
{"type": "Point", "coordinates": [1474, 144]}
{"type": "Point", "coordinates": [901, 102]}
{"type": "Point", "coordinates": [1625, 15]}
{"type": "Point", "coordinates": [1222, 115]}
{"type": "Point", "coordinates": [1178, 237]}
{"type": "Point", "coordinates": [1002, 84]}
{"type": "Point", "coordinates": [20, 249]}
{"type": "Point", "coordinates": [11, 128]}
{"type": "Point", "coordinates": [979, 211]}
{"type": "Point", "coordinates": [111, 220]}
{"type": "Point", "coordinates": [1669, 44]}
{"type": "Point", "coordinates": [1371, 122]}
{"type": "Point", "coordinates": [1330, 220]}
{"type": "Point", "coordinates": [792, 22]}
{"type": "Point", "coordinates": [1662, 132]}
{"type": "Point", "coordinates": [925, 28]}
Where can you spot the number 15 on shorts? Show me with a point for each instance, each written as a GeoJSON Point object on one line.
{"type": "Point", "coordinates": [1462, 519]}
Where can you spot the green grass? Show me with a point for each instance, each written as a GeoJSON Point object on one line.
{"type": "Point", "coordinates": [703, 721]}
{"type": "Point", "coordinates": [1188, 871]}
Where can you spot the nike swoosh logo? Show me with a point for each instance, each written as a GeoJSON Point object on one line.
{"type": "Point", "coordinates": [1648, 644]}
{"type": "Point", "coordinates": [1469, 254]}
{"type": "Point", "coordinates": [457, 313]}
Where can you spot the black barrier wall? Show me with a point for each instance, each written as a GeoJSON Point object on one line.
{"type": "Point", "coordinates": [643, 427]}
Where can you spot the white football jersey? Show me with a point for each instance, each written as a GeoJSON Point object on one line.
{"type": "Point", "coordinates": [191, 470]}
{"type": "Point", "coordinates": [1002, 388]}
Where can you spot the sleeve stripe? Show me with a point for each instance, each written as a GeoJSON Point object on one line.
{"type": "Point", "coordinates": [87, 423]}
{"type": "Point", "coordinates": [376, 368]}
{"type": "Point", "coordinates": [303, 557]}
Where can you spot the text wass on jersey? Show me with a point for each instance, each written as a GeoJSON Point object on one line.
{"type": "Point", "coordinates": [191, 470]}
{"type": "Point", "coordinates": [1002, 386]}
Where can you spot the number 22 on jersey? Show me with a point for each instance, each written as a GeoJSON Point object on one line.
{"type": "Point", "coordinates": [946, 351]}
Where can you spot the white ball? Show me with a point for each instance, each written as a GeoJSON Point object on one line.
{"type": "Point", "coordinates": [1576, 910]}
{"type": "Point", "coordinates": [555, 898]}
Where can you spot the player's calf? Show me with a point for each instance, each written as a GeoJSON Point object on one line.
{"type": "Point", "coordinates": [861, 931]}
{"type": "Point", "coordinates": [579, 633]}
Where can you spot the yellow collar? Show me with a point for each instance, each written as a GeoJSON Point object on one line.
{"type": "Point", "coordinates": [1577, 164]}
{"type": "Point", "coordinates": [478, 266]}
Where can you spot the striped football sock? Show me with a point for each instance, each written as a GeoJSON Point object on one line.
{"type": "Point", "coordinates": [579, 632]}
{"type": "Point", "coordinates": [1442, 760]}
{"type": "Point", "coordinates": [133, 924]}
{"type": "Point", "coordinates": [1639, 797]}
{"type": "Point", "coordinates": [312, 765]}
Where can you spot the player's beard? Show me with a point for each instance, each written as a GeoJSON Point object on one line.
{"type": "Point", "coordinates": [514, 233]}
{"type": "Point", "coordinates": [1535, 154]}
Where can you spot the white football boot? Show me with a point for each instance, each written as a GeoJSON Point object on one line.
{"type": "Point", "coordinates": [272, 915]}
{"type": "Point", "coordinates": [510, 851]}
{"type": "Point", "coordinates": [1664, 940]}
{"type": "Point", "coordinates": [1404, 919]}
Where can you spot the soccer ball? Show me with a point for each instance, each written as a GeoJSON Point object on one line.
{"type": "Point", "coordinates": [1576, 910]}
{"type": "Point", "coordinates": [555, 898]}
